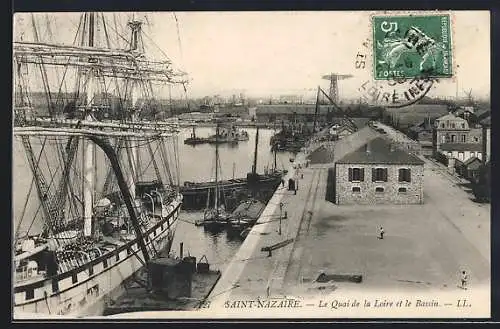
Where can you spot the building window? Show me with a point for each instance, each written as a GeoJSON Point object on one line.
{"type": "Point", "coordinates": [450, 154]}
{"type": "Point", "coordinates": [379, 175]}
{"type": "Point", "coordinates": [463, 138]}
{"type": "Point", "coordinates": [461, 156]}
{"type": "Point", "coordinates": [404, 175]}
{"type": "Point", "coordinates": [476, 139]}
{"type": "Point", "coordinates": [379, 189]}
{"type": "Point", "coordinates": [453, 138]}
{"type": "Point", "coordinates": [453, 125]}
{"type": "Point", "coordinates": [443, 139]}
{"type": "Point", "coordinates": [356, 174]}
{"type": "Point", "coordinates": [447, 138]}
{"type": "Point", "coordinates": [74, 277]}
{"type": "Point", "coordinates": [442, 124]}
{"type": "Point", "coordinates": [91, 270]}
{"type": "Point", "coordinates": [463, 125]}
{"type": "Point", "coordinates": [356, 189]}
{"type": "Point", "coordinates": [117, 256]}
{"type": "Point", "coordinates": [402, 190]}
{"type": "Point", "coordinates": [105, 263]}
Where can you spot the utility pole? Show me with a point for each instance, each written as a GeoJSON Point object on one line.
{"type": "Point", "coordinates": [281, 216]}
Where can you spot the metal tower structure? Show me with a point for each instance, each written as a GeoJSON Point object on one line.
{"type": "Point", "coordinates": [334, 87]}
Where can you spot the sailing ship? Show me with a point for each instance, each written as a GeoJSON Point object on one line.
{"type": "Point", "coordinates": [95, 231]}
{"type": "Point", "coordinates": [195, 194]}
{"type": "Point", "coordinates": [215, 218]}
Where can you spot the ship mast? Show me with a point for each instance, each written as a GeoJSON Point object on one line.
{"type": "Point", "coordinates": [89, 147]}
{"type": "Point", "coordinates": [136, 46]}
{"type": "Point", "coordinates": [254, 166]}
{"type": "Point", "coordinates": [216, 200]}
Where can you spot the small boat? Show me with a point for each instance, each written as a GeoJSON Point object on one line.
{"type": "Point", "coordinates": [215, 220]}
{"type": "Point", "coordinates": [193, 140]}
{"type": "Point", "coordinates": [229, 135]}
{"type": "Point", "coordinates": [245, 215]}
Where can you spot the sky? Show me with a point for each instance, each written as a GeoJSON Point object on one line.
{"type": "Point", "coordinates": [274, 53]}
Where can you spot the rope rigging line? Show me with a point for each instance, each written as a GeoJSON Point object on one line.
{"type": "Point", "coordinates": [153, 160]}
{"type": "Point", "coordinates": [164, 151]}
{"type": "Point", "coordinates": [164, 161]}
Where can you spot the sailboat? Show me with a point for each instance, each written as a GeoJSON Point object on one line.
{"type": "Point", "coordinates": [249, 210]}
{"type": "Point", "coordinates": [215, 218]}
{"type": "Point", "coordinates": [102, 218]}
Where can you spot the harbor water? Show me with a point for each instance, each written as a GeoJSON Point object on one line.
{"type": "Point", "coordinates": [196, 163]}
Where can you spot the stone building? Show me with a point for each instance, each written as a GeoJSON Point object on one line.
{"type": "Point", "coordinates": [367, 167]}
{"type": "Point", "coordinates": [379, 172]}
{"type": "Point", "coordinates": [454, 138]}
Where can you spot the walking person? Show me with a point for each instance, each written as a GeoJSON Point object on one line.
{"type": "Point", "coordinates": [463, 280]}
{"type": "Point", "coordinates": [381, 232]}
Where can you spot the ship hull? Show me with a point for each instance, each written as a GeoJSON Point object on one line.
{"type": "Point", "coordinates": [84, 291]}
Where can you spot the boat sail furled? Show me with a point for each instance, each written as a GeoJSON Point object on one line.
{"type": "Point", "coordinates": [106, 183]}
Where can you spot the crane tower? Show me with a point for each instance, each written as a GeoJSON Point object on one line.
{"type": "Point", "coordinates": [334, 87]}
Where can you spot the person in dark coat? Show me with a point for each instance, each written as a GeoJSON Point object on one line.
{"type": "Point", "coordinates": [381, 231]}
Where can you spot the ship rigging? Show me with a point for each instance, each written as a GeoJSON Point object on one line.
{"type": "Point", "coordinates": [98, 221]}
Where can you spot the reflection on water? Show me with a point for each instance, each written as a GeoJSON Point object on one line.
{"type": "Point", "coordinates": [218, 247]}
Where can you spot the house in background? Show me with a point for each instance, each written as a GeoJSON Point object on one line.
{"type": "Point", "coordinates": [422, 133]}
{"type": "Point", "coordinates": [453, 139]}
{"type": "Point", "coordinates": [469, 169]}
{"type": "Point", "coordinates": [342, 127]}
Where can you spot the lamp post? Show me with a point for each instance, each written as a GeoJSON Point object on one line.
{"type": "Point", "coordinates": [152, 202]}
{"type": "Point", "coordinates": [281, 212]}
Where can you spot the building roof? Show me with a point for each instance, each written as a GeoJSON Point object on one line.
{"type": "Point", "coordinates": [472, 161]}
{"type": "Point", "coordinates": [486, 121]}
{"type": "Point", "coordinates": [416, 114]}
{"type": "Point", "coordinates": [344, 146]}
{"type": "Point", "coordinates": [291, 108]}
{"type": "Point", "coordinates": [450, 116]}
{"type": "Point", "coordinates": [461, 147]}
{"type": "Point", "coordinates": [421, 108]}
{"type": "Point", "coordinates": [482, 113]}
{"type": "Point", "coordinates": [380, 151]}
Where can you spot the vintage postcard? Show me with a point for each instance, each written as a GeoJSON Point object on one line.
{"type": "Point", "coordinates": [237, 165]}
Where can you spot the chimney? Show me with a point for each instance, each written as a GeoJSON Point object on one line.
{"type": "Point", "coordinates": [367, 148]}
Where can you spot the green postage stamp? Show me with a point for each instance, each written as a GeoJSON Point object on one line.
{"type": "Point", "coordinates": [411, 46]}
